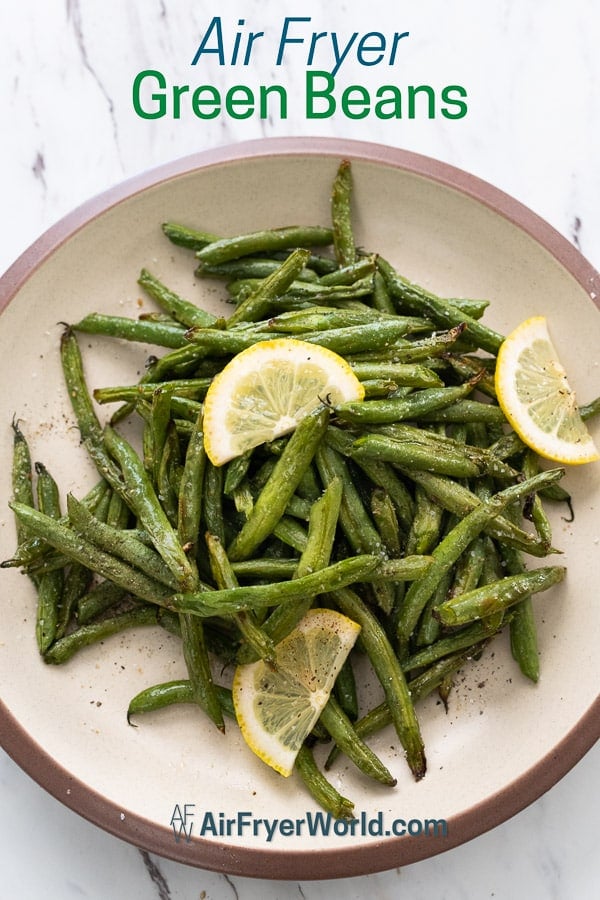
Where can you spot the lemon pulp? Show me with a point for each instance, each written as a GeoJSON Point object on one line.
{"type": "Point", "coordinates": [277, 706]}
{"type": "Point", "coordinates": [265, 390]}
{"type": "Point", "coordinates": [536, 397]}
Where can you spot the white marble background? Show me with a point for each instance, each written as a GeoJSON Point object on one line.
{"type": "Point", "coordinates": [532, 71]}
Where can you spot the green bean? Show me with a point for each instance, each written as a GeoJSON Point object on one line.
{"type": "Point", "coordinates": [415, 406]}
{"type": "Point", "coordinates": [424, 350]}
{"type": "Point", "coordinates": [169, 476]}
{"type": "Point", "coordinates": [144, 503]}
{"type": "Point", "coordinates": [159, 696]}
{"type": "Point", "coordinates": [323, 521]}
{"type": "Point", "coordinates": [457, 499]}
{"type": "Point", "coordinates": [322, 265]}
{"type": "Point", "coordinates": [212, 505]}
{"type": "Point", "coordinates": [90, 429]}
{"type": "Point", "coordinates": [402, 374]}
{"type": "Point", "coordinates": [382, 475]}
{"type": "Point", "coordinates": [323, 318]}
{"type": "Point", "coordinates": [340, 728]}
{"type": "Point", "coordinates": [211, 341]}
{"type": "Point", "coordinates": [249, 267]}
{"type": "Point", "coordinates": [225, 249]}
{"type": "Point", "coordinates": [487, 462]}
{"type": "Point", "coordinates": [405, 568]}
{"type": "Point", "coordinates": [159, 423]}
{"type": "Point", "coordinates": [309, 487]}
{"type": "Point", "coordinates": [112, 510]}
{"type": "Point", "coordinates": [161, 334]}
{"type": "Point", "coordinates": [589, 410]}
{"type": "Point", "coordinates": [469, 568]}
{"type": "Point", "coordinates": [380, 333]}
{"type": "Point", "coordinates": [269, 568]}
{"type": "Point", "coordinates": [83, 551]}
{"type": "Point", "coordinates": [102, 596]}
{"type": "Point", "coordinates": [191, 490]}
{"type": "Point", "coordinates": [119, 543]}
{"type": "Point", "coordinates": [47, 492]}
{"type": "Point", "coordinates": [304, 293]}
{"type": "Point", "coordinates": [349, 274]}
{"type": "Point", "coordinates": [523, 639]}
{"type": "Point", "coordinates": [355, 521]}
{"type": "Point", "coordinates": [466, 411]}
{"type": "Point", "coordinates": [64, 649]}
{"type": "Point", "coordinates": [453, 545]}
{"type": "Point", "coordinates": [417, 455]}
{"type": "Point", "coordinates": [315, 556]}
{"type": "Point", "coordinates": [498, 596]}
{"type": "Point", "coordinates": [49, 595]}
{"type": "Point", "coordinates": [256, 638]}
{"type": "Point", "coordinates": [274, 497]}
{"type": "Point", "coordinates": [492, 568]}
{"type": "Point", "coordinates": [558, 494]}
{"type": "Point", "coordinates": [187, 237]}
{"type": "Point", "coordinates": [534, 509]}
{"type": "Point", "coordinates": [385, 663]}
{"type": "Point", "coordinates": [420, 687]}
{"type": "Point", "coordinates": [393, 514]}
{"type": "Point", "coordinates": [182, 310]}
{"type": "Point", "coordinates": [426, 524]}
{"type": "Point", "coordinates": [33, 550]}
{"type": "Point", "coordinates": [523, 632]}
{"type": "Point", "coordinates": [117, 512]}
{"type": "Point", "coordinates": [420, 302]}
{"type": "Point", "coordinates": [77, 581]}
{"type": "Point", "coordinates": [386, 522]}
{"type": "Point", "coordinates": [291, 533]}
{"type": "Point", "coordinates": [343, 237]}
{"type": "Point", "coordinates": [51, 584]}
{"type": "Point", "coordinates": [22, 476]}
{"type": "Point", "coordinates": [179, 362]}
{"type": "Point", "coordinates": [256, 596]}
{"type": "Point", "coordinates": [463, 638]}
{"type": "Point", "coordinates": [258, 302]}
{"type": "Point", "coordinates": [356, 524]}
{"type": "Point", "coordinates": [320, 788]}
{"type": "Point", "coordinates": [428, 628]}
{"type": "Point", "coordinates": [236, 471]}
{"type": "Point", "coordinates": [195, 654]}
{"type": "Point", "coordinates": [155, 316]}
{"type": "Point", "coordinates": [344, 690]}
{"type": "Point", "coordinates": [376, 388]}
{"type": "Point", "coordinates": [467, 368]}
{"type": "Point", "coordinates": [469, 305]}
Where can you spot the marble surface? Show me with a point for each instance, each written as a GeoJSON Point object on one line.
{"type": "Point", "coordinates": [532, 72]}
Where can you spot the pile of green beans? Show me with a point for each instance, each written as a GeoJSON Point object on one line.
{"type": "Point", "coordinates": [411, 511]}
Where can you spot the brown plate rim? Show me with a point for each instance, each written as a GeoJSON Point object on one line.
{"type": "Point", "coordinates": [301, 864]}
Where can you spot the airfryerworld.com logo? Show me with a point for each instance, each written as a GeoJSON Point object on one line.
{"type": "Point", "coordinates": [187, 822]}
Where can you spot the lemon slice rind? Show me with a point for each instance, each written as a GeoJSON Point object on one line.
{"type": "Point", "coordinates": [277, 707]}
{"type": "Point", "coordinates": [537, 399]}
{"type": "Point", "coordinates": [265, 390]}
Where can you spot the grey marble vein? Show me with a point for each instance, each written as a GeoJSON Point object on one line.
{"type": "Point", "coordinates": [156, 876]}
{"type": "Point", "coordinates": [75, 17]}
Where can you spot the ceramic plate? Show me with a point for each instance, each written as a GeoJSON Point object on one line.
{"type": "Point", "coordinates": [503, 741]}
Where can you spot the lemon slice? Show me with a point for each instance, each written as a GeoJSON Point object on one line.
{"type": "Point", "coordinates": [277, 706]}
{"type": "Point", "coordinates": [536, 398]}
{"type": "Point", "coordinates": [264, 391]}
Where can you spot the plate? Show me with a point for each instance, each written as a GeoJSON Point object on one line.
{"type": "Point", "coordinates": [173, 785]}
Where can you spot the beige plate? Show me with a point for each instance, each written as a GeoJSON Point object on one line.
{"type": "Point", "coordinates": [503, 741]}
